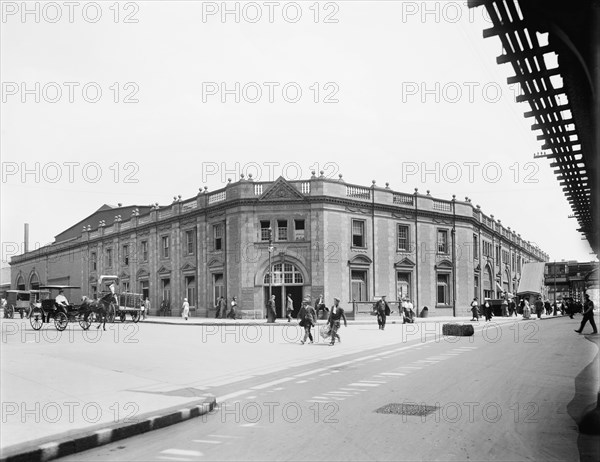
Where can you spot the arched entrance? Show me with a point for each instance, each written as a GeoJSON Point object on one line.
{"type": "Point", "coordinates": [287, 280]}
{"type": "Point", "coordinates": [34, 281]}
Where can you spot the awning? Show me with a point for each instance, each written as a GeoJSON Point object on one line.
{"type": "Point", "coordinates": [532, 278]}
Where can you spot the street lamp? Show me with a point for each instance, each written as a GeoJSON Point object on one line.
{"type": "Point", "coordinates": [271, 248]}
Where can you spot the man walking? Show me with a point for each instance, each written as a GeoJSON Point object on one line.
{"type": "Point", "coordinates": [335, 314]}
{"type": "Point", "coordinates": [146, 310]}
{"type": "Point", "coordinates": [307, 316]}
{"type": "Point", "coordinates": [232, 311]}
{"type": "Point", "coordinates": [539, 307]}
{"type": "Point", "coordinates": [475, 310]}
{"type": "Point", "coordinates": [320, 306]}
{"type": "Point", "coordinates": [588, 315]}
{"type": "Point", "coordinates": [271, 314]}
{"type": "Point", "coordinates": [289, 307]}
{"type": "Point", "coordinates": [383, 311]}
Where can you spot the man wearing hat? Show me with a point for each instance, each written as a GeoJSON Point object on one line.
{"type": "Point", "coordinates": [383, 311]}
{"type": "Point", "coordinates": [61, 299]}
{"type": "Point", "coordinates": [335, 314]}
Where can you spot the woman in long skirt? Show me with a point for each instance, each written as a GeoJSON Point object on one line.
{"type": "Point", "coordinates": [185, 311]}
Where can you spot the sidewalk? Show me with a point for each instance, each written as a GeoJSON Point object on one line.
{"type": "Point", "coordinates": [64, 391]}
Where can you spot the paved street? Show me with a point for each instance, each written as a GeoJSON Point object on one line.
{"type": "Point", "coordinates": [511, 392]}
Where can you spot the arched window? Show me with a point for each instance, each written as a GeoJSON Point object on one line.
{"type": "Point", "coordinates": [488, 289]}
{"type": "Point", "coordinates": [20, 283]}
{"type": "Point", "coordinates": [284, 274]}
{"type": "Point", "coordinates": [34, 282]}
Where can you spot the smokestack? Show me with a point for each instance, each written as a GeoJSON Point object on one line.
{"type": "Point", "coordinates": [26, 238]}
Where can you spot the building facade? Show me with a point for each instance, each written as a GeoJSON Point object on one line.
{"type": "Point", "coordinates": [570, 279]}
{"type": "Point", "coordinates": [329, 237]}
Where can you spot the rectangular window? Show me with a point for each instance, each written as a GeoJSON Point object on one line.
{"type": "Point", "coordinates": [144, 250]}
{"type": "Point", "coordinates": [218, 237]}
{"type": "Point", "coordinates": [359, 285]}
{"type": "Point", "coordinates": [497, 255]}
{"type": "Point", "coordinates": [126, 255]}
{"type": "Point", "coordinates": [164, 246]}
{"type": "Point", "coordinates": [299, 230]}
{"type": "Point", "coordinates": [109, 258]}
{"type": "Point", "coordinates": [189, 242]}
{"type": "Point", "coordinates": [475, 247]}
{"type": "Point", "coordinates": [442, 240]}
{"type": "Point", "coordinates": [476, 285]}
{"type": "Point", "coordinates": [505, 257]}
{"type": "Point", "coordinates": [403, 237]}
{"type": "Point", "coordinates": [94, 261]}
{"type": "Point", "coordinates": [125, 286]}
{"type": "Point", "coordinates": [519, 263]}
{"type": "Point", "coordinates": [265, 225]}
{"type": "Point", "coordinates": [487, 249]}
{"type": "Point", "coordinates": [94, 292]}
{"type": "Point", "coordinates": [282, 230]}
{"type": "Point", "coordinates": [358, 233]}
{"type": "Point", "coordinates": [514, 262]}
{"type": "Point", "coordinates": [443, 289]}
{"type": "Point", "coordinates": [145, 289]}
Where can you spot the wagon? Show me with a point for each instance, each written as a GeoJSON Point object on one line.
{"type": "Point", "coordinates": [21, 301]}
{"type": "Point", "coordinates": [125, 303]}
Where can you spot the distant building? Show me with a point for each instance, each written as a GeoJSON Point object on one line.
{"type": "Point", "coordinates": [570, 279]}
{"type": "Point", "coordinates": [330, 237]}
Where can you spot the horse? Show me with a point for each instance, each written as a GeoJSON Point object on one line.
{"type": "Point", "coordinates": [98, 307]}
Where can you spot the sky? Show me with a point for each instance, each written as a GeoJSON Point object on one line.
{"type": "Point", "coordinates": [138, 102]}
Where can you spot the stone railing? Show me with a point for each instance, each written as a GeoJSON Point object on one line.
{"type": "Point", "coordinates": [358, 192]}
{"type": "Point", "coordinates": [165, 213]}
{"type": "Point", "coordinates": [217, 197]}
{"type": "Point", "coordinates": [190, 205]}
{"type": "Point", "coordinates": [258, 189]}
{"type": "Point", "coordinates": [144, 219]}
{"type": "Point", "coordinates": [126, 225]}
{"type": "Point", "coordinates": [403, 199]}
{"type": "Point", "coordinates": [305, 187]}
{"type": "Point", "coordinates": [442, 206]}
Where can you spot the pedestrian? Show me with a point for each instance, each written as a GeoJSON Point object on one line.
{"type": "Point", "coordinates": [568, 308]}
{"type": "Point", "coordinates": [588, 315]}
{"type": "Point", "coordinates": [521, 306]}
{"type": "Point", "coordinates": [487, 309]}
{"type": "Point", "coordinates": [512, 307]}
{"type": "Point", "coordinates": [383, 311]}
{"type": "Point", "coordinates": [185, 309]}
{"type": "Point", "coordinates": [320, 307]}
{"type": "Point", "coordinates": [289, 307]}
{"type": "Point", "coordinates": [221, 307]}
{"type": "Point", "coordinates": [475, 310]}
{"type": "Point", "coordinates": [548, 307]}
{"type": "Point", "coordinates": [411, 311]}
{"type": "Point", "coordinates": [335, 314]}
{"type": "Point", "coordinates": [146, 308]}
{"type": "Point", "coordinates": [526, 309]}
{"type": "Point", "coordinates": [504, 306]}
{"type": "Point", "coordinates": [539, 307]}
{"type": "Point", "coordinates": [271, 307]}
{"type": "Point", "coordinates": [232, 312]}
{"type": "Point", "coordinates": [308, 316]}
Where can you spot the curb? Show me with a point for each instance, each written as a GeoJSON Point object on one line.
{"type": "Point", "coordinates": [69, 443]}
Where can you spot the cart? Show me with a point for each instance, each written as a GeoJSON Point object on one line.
{"type": "Point", "coordinates": [47, 309]}
{"type": "Point", "coordinates": [125, 303]}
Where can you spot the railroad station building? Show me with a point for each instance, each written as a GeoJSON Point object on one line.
{"type": "Point", "coordinates": [329, 237]}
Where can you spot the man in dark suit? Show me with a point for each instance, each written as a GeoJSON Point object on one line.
{"type": "Point", "coordinates": [335, 314]}
{"type": "Point", "coordinates": [383, 311]}
{"type": "Point", "coordinates": [588, 315]}
{"type": "Point", "coordinates": [320, 306]}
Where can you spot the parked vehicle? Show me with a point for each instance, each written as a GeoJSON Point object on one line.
{"type": "Point", "coordinates": [23, 301]}
{"type": "Point", "coordinates": [125, 303]}
{"type": "Point", "coordinates": [47, 308]}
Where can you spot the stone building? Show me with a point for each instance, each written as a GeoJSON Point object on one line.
{"type": "Point", "coordinates": [330, 237]}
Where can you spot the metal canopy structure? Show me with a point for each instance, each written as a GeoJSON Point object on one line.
{"type": "Point", "coordinates": [568, 115]}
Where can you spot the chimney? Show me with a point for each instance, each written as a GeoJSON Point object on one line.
{"type": "Point", "coordinates": [26, 238]}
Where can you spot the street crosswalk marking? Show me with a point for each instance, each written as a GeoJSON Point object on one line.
{"type": "Point", "coordinates": [392, 373]}
{"type": "Point", "coordinates": [362, 384]}
{"type": "Point", "coordinates": [224, 436]}
{"type": "Point", "coordinates": [207, 441]}
{"type": "Point", "coordinates": [302, 381]}
{"type": "Point", "coordinates": [270, 384]}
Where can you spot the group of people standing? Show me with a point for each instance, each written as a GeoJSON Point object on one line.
{"type": "Point", "coordinates": [382, 310]}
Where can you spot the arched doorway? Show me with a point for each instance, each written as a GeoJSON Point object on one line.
{"type": "Point", "coordinates": [287, 280]}
{"type": "Point", "coordinates": [34, 281]}
{"type": "Point", "coordinates": [20, 283]}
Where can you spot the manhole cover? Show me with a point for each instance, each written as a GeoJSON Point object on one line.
{"type": "Point", "coordinates": [419, 410]}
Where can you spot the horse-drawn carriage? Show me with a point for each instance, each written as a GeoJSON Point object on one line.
{"type": "Point", "coordinates": [23, 301]}
{"type": "Point", "coordinates": [123, 303]}
{"type": "Point", "coordinates": [47, 307]}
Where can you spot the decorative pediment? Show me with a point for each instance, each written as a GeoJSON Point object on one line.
{"type": "Point", "coordinates": [142, 273]}
{"type": "Point", "coordinates": [444, 264]}
{"type": "Point", "coordinates": [124, 275]}
{"type": "Point", "coordinates": [358, 210]}
{"type": "Point", "coordinates": [442, 221]}
{"type": "Point", "coordinates": [404, 263]}
{"type": "Point", "coordinates": [164, 270]}
{"type": "Point", "coordinates": [283, 191]}
{"type": "Point", "coordinates": [188, 267]}
{"type": "Point", "coordinates": [360, 260]}
{"type": "Point", "coordinates": [478, 268]}
{"type": "Point", "coordinates": [215, 263]}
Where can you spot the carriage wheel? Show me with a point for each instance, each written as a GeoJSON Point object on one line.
{"type": "Point", "coordinates": [36, 318]}
{"type": "Point", "coordinates": [85, 323]}
{"type": "Point", "coordinates": [122, 317]}
{"type": "Point", "coordinates": [10, 311]}
{"type": "Point", "coordinates": [135, 316]}
{"type": "Point", "coordinates": [61, 320]}
{"type": "Point", "coordinates": [111, 313]}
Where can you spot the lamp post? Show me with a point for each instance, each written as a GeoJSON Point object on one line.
{"type": "Point", "coordinates": [270, 265]}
